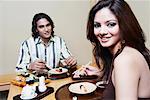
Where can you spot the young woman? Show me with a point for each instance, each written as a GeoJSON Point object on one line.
{"type": "Point", "coordinates": [119, 50]}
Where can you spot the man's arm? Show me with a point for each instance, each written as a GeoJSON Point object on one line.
{"type": "Point", "coordinates": [66, 55]}
{"type": "Point", "coordinates": [23, 59]}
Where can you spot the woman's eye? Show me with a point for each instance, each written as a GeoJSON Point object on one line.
{"type": "Point", "coordinates": [97, 25]}
{"type": "Point", "coordinates": [111, 24]}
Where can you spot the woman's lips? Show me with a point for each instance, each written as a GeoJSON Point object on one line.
{"type": "Point", "coordinates": [104, 39]}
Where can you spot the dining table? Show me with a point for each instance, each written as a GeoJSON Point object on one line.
{"type": "Point", "coordinates": [14, 90]}
{"type": "Point", "coordinates": [56, 84]}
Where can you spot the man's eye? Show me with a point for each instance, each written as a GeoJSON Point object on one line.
{"type": "Point", "coordinates": [111, 24]}
{"type": "Point", "coordinates": [48, 25]}
{"type": "Point", "coordinates": [97, 25]}
{"type": "Point", "coordinates": [41, 26]}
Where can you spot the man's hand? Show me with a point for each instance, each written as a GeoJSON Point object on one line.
{"type": "Point", "coordinates": [37, 65]}
{"type": "Point", "coordinates": [71, 61]}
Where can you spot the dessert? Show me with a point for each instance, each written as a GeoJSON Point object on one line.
{"type": "Point", "coordinates": [83, 88]}
{"type": "Point", "coordinates": [59, 70]}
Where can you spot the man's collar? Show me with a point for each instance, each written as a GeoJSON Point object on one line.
{"type": "Point", "coordinates": [38, 40]}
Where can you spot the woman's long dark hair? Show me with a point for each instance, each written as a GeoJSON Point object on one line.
{"type": "Point", "coordinates": [130, 31]}
{"type": "Point", "coordinates": [37, 17]}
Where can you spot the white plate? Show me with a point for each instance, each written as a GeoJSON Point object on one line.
{"type": "Point", "coordinates": [58, 71]}
{"type": "Point", "coordinates": [82, 87]}
{"type": "Point", "coordinates": [28, 97]}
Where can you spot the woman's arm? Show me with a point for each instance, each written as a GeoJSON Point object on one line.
{"type": "Point", "coordinates": [126, 77]}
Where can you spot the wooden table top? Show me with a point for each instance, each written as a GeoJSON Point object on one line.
{"type": "Point", "coordinates": [14, 90]}
{"type": "Point", "coordinates": [6, 78]}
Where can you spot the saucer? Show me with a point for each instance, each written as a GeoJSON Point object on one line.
{"type": "Point", "coordinates": [29, 97]}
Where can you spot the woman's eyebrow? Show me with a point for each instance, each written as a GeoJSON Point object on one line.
{"type": "Point", "coordinates": [111, 20]}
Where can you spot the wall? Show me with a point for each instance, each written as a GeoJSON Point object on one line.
{"type": "Point", "coordinates": [141, 10]}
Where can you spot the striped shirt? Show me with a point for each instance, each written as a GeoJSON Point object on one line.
{"type": "Point", "coordinates": [53, 53]}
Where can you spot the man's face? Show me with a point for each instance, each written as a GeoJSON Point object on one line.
{"type": "Point", "coordinates": [44, 28]}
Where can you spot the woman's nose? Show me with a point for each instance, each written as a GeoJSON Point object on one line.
{"type": "Point", "coordinates": [103, 31]}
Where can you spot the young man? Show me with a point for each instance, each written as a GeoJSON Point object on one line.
{"type": "Point", "coordinates": [44, 50]}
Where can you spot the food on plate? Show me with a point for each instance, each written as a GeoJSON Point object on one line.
{"type": "Point", "coordinates": [83, 88]}
{"type": "Point", "coordinates": [47, 81]}
{"type": "Point", "coordinates": [22, 81]}
{"type": "Point", "coordinates": [59, 70]}
{"type": "Point", "coordinates": [19, 81]}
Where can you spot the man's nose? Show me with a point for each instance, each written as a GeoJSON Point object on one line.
{"type": "Point", "coordinates": [45, 28]}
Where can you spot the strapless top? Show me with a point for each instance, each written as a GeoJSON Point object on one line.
{"type": "Point", "coordinates": [109, 92]}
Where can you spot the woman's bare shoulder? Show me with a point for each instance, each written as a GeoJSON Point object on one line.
{"type": "Point", "coordinates": [129, 55]}
{"type": "Point", "coordinates": [129, 50]}
{"type": "Point", "coordinates": [129, 60]}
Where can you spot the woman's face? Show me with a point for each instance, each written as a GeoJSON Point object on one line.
{"type": "Point", "coordinates": [106, 28]}
{"type": "Point", "coordinates": [44, 28]}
